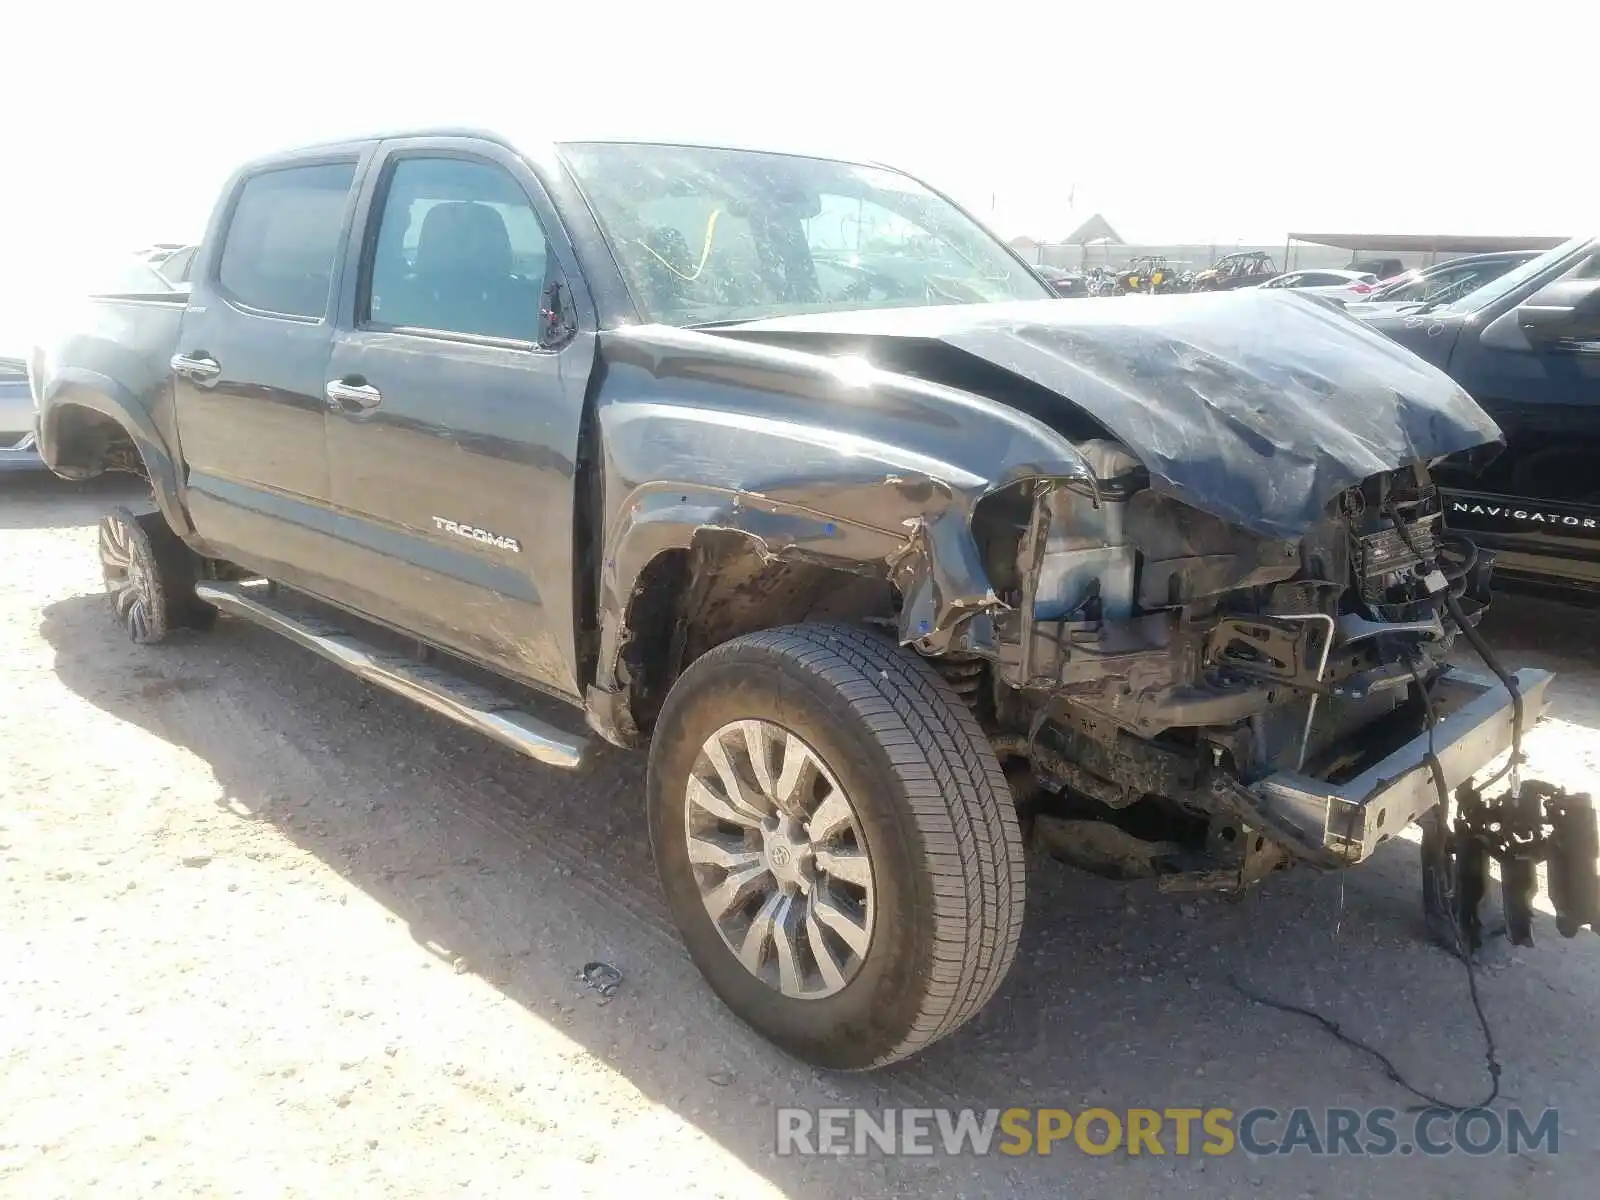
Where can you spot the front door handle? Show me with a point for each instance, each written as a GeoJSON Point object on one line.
{"type": "Point", "coordinates": [199, 366]}
{"type": "Point", "coordinates": [347, 396]}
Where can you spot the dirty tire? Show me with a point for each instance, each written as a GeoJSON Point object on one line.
{"type": "Point", "coordinates": [149, 577]}
{"type": "Point", "coordinates": [939, 822]}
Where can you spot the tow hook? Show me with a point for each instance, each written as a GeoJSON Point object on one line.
{"type": "Point", "coordinates": [1519, 829]}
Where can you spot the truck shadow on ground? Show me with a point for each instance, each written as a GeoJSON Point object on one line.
{"type": "Point", "coordinates": [1121, 996]}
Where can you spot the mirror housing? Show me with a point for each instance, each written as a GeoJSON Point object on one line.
{"type": "Point", "coordinates": [1567, 310]}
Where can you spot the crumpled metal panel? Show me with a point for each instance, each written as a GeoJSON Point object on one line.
{"type": "Point", "coordinates": [1257, 407]}
{"type": "Point", "coordinates": [809, 459]}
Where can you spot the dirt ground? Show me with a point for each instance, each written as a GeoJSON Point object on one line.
{"type": "Point", "coordinates": [266, 931]}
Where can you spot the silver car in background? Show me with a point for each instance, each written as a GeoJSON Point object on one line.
{"type": "Point", "coordinates": [159, 270]}
{"type": "Point", "coordinates": [1340, 286]}
{"type": "Point", "coordinates": [17, 452]}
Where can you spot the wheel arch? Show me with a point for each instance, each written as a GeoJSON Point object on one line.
{"type": "Point", "coordinates": [91, 425]}
{"type": "Point", "coordinates": [691, 568]}
{"type": "Point", "coordinates": [692, 587]}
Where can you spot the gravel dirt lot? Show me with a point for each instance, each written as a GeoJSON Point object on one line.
{"type": "Point", "coordinates": [266, 931]}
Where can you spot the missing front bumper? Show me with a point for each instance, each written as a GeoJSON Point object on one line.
{"type": "Point", "coordinates": [1340, 825]}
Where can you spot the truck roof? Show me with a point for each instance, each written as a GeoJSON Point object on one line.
{"type": "Point", "coordinates": [547, 143]}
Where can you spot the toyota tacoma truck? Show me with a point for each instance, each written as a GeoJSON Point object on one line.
{"type": "Point", "coordinates": [789, 470]}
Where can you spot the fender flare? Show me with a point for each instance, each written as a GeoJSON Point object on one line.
{"type": "Point", "coordinates": [102, 394]}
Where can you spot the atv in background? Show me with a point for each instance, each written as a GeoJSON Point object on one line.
{"type": "Point", "coordinates": [1242, 269]}
{"type": "Point", "coordinates": [1103, 281]}
{"type": "Point", "coordinates": [1152, 273]}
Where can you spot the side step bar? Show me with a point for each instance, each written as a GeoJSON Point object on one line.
{"type": "Point", "coordinates": [447, 694]}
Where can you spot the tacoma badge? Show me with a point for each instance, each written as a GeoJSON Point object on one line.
{"type": "Point", "coordinates": [498, 540]}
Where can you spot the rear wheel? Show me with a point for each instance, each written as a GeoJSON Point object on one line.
{"type": "Point", "coordinates": [149, 575]}
{"type": "Point", "coordinates": [836, 841]}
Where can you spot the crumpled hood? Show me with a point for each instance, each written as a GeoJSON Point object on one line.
{"type": "Point", "coordinates": [1258, 407]}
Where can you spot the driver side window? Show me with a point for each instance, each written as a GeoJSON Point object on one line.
{"type": "Point", "coordinates": [458, 250]}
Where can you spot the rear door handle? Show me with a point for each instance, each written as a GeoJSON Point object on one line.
{"type": "Point", "coordinates": [199, 366]}
{"type": "Point", "coordinates": [345, 396]}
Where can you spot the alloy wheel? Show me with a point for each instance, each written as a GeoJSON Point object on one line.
{"type": "Point", "coordinates": [127, 569]}
{"type": "Point", "coordinates": [779, 856]}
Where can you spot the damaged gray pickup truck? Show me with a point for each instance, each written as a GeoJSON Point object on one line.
{"type": "Point", "coordinates": [788, 469]}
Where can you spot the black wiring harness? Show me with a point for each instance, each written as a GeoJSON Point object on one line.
{"type": "Point", "coordinates": [1534, 822]}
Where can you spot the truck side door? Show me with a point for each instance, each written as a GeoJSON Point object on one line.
{"type": "Point", "coordinates": [250, 365]}
{"type": "Point", "coordinates": [455, 416]}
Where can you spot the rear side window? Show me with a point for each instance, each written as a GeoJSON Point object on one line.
{"type": "Point", "coordinates": [277, 254]}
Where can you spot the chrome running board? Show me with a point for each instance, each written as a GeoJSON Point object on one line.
{"type": "Point", "coordinates": [449, 695]}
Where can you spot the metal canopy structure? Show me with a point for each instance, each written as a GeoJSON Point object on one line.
{"type": "Point", "coordinates": [1425, 243]}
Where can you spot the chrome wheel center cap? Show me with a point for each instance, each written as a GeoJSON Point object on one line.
{"type": "Point", "coordinates": [779, 857]}
{"type": "Point", "coordinates": [787, 851]}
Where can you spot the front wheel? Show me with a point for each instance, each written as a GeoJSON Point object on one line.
{"type": "Point", "coordinates": [836, 841]}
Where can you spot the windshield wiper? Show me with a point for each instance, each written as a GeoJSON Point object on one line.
{"type": "Point", "coordinates": [723, 322]}
{"type": "Point", "coordinates": [1430, 305]}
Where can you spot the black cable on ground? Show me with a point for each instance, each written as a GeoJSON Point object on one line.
{"type": "Point", "coordinates": [1490, 1054]}
{"type": "Point", "coordinates": [1491, 661]}
{"type": "Point", "coordinates": [1389, 1069]}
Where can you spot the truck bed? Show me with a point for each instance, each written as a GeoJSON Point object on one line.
{"type": "Point", "coordinates": [118, 342]}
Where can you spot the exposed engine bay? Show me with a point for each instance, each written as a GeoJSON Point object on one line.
{"type": "Point", "coordinates": [1149, 649]}
{"type": "Point", "coordinates": [1214, 642]}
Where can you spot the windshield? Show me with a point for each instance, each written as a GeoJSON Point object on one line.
{"type": "Point", "coordinates": [707, 235]}
{"type": "Point", "coordinates": [1486, 294]}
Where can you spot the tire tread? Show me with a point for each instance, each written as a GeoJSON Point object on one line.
{"type": "Point", "coordinates": [961, 808]}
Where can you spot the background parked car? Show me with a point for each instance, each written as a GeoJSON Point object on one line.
{"type": "Point", "coordinates": [1440, 283]}
{"type": "Point", "coordinates": [1526, 345]}
{"type": "Point", "coordinates": [1063, 282]}
{"type": "Point", "coordinates": [1383, 268]}
{"type": "Point", "coordinates": [16, 415]}
{"type": "Point", "coordinates": [1334, 284]}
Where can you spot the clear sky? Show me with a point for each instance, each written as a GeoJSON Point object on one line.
{"type": "Point", "coordinates": [1199, 121]}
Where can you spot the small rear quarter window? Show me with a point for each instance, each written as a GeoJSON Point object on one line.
{"type": "Point", "coordinates": [278, 251]}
